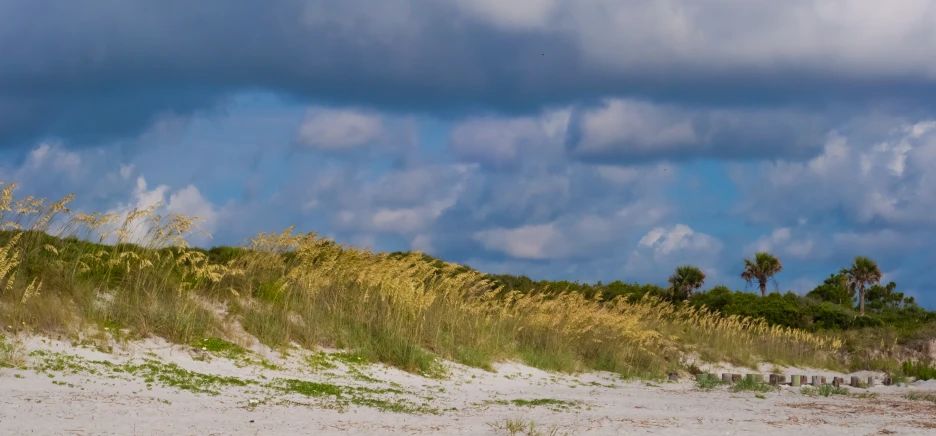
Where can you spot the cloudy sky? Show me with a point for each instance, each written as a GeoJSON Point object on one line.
{"type": "Point", "coordinates": [562, 139]}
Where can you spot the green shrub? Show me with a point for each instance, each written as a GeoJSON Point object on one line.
{"type": "Point", "coordinates": [824, 390]}
{"type": "Point", "coordinates": [708, 381]}
{"type": "Point", "coordinates": [749, 384]}
{"type": "Point", "coordinates": [919, 370]}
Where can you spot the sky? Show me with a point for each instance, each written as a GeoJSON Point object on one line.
{"type": "Point", "coordinates": [560, 139]}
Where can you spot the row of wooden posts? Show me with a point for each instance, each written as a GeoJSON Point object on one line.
{"type": "Point", "coordinates": [780, 379]}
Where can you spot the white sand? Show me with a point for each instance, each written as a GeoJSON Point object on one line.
{"type": "Point", "coordinates": [76, 402]}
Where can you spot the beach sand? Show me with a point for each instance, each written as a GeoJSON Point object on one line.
{"type": "Point", "coordinates": [154, 388]}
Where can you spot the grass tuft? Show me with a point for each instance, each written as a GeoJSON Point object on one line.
{"type": "Point", "coordinates": [917, 396]}
{"type": "Point", "coordinates": [709, 381]}
{"type": "Point", "coordinates": [825, 390]}
{"type": "Point", "coordinates": [12, 354]}
{"type": "Point", "coordinates": [749, 384]}
{"type": "Point", "coordinates": [524, 427]}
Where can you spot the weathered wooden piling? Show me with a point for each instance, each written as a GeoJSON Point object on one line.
{"type": "Point", "coordinates": [796, 380]}
{"type": "Point", "coordinates": [726, 377]}
{"type": "Point", "coordinates": [735, 378]}
{"type": "Point", "coordinates": [870, 381]}
{"type": "Point", "coordinates": [888, 381]}
{"type": "Point", "coordinates": [855, 381]}
{"type": "Point", "coordinates": [836, 381]}
{"type": "Point", "coordinates": [674, 376]}
{"type": "Point", "coordinates": [822, 379]}
{"type": "Point", "coordinates": [816, 380]}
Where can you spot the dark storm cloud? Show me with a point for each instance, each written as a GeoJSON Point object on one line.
{"type": "Point", "coordinates": [90, 69]}
{"type": "Point", "coordinates": [633, 132]}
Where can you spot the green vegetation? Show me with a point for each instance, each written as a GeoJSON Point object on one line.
{"type": "Point", "coordinates": [762, 269]}
{"type": "Point", "coordinates": [916, 396]}
{"type": "Point", "coordinates": [221, 348]}
{"type": "Point", "coordinates": [170, 375]}
{"type": "Point", "coordinates": [135, 276]}
{"type": "Point", "coordinates": [709, 381]}
{"type": "Point", "coordinates": [319, 361]}
{"type": "Point", "coordinates": [550, 403]}
{"type": "Point", "coordinates": [831, 306]}
{"type": "Point", "coordinates": [877, 340]}
{"type": "Point", "coordinates": [684, 280]}
{"type": "Point", "coordinates": [923, 370]}
{"type": "Point", "coordinates": [542, 402]}
{"type": "Point", "coordinates": [11, 353]}
{"type": "Point", "coordinates": [862, 273]}
{"type": "Point", "coordinates": [825, 390]}
{"type": "Point", "coordinates": [524, 427]}
{"type": "Point", "coordinates": [749, 384]}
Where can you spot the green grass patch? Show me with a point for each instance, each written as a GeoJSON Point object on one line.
{"type": "Point", "coordinates": [358, 396]}
{"type": "Point", "coordinates": [153, 372]}
{"type": "Point", "coordinates": [708, 381]}
{"type": "Point", "coordinates": [548, 402]}
{"type": "Point", "coordinates": [320, 361]}
{"type": "Point", "coordinates": [916, 396]}
{"type": "Point", "coordinates": [515, 427]}
{"type": "Point", "coordinates": [11, 353]}
{"type": "Point", "coordinates": [825, 390]}
{"type": "Point", "coordinates": [220, 347]}
{"type": "Point", "coordinates": [919, 370]}
{"type": "Point", "coordinates": [749, 384]}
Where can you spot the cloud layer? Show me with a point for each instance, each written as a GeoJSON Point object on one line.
{"type": "Point", "coordinates": [67, 67]}
{"type": "Point", "coordinates": [562, 139]}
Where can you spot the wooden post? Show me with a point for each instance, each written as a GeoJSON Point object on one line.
{"type": "Point", "coordinates": [816, 380]}
{"type": "Point", "coordinates": [674, 376]}
{"type": "Point", "coordinates": [796, 380]}
{"type": "Point", "coordinates": [888, 381]}
{"type": "Point", "coordinates": [855, 381]}
{"type": "Point", "coordinates": [759, 378]}
{"type": "Point", "coordinates": [726, 377]}
{"type": "Point", "coordinates": [822, 379]}
{"type": "Point", "coordinates": [735, 378]}
{"type": "Point", "coordinates": [870, 381]}
{"type": "Point", "coordinates": [835, 381]}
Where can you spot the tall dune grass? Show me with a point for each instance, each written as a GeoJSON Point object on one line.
{"type": "Point", "coordinates": [58, 276]}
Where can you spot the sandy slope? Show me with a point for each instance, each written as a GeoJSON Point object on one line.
{"type": "Point", "coordinates": [78, 397]}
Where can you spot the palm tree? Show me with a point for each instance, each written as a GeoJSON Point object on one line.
{"type": "Point", "coordinates": [762, 268]}
{"type": "Point", "coordinates": [687, 278]}
{"type": "Point", "coordinates": [863, 272]}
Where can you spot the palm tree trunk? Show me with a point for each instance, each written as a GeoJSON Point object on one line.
{"type": "Point", "coordinates": [861, 299]}
{"type": "Point", "coordinates": [763, 288]}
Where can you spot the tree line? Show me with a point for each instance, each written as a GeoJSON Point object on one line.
{"type": "Point", "coordinates": [764, 266]}
{"type": "Point", "coordinates": [851, 298]}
